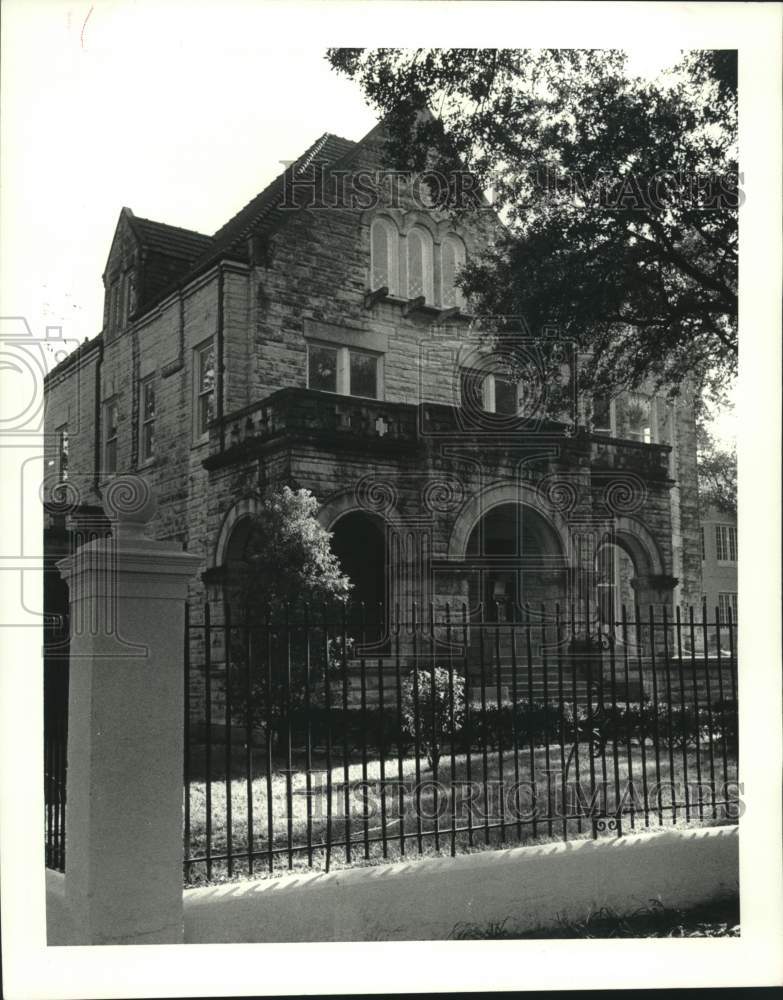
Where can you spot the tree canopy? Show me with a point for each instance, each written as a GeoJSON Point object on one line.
{"type": "Point", "coordinates": [618, 194]}
{"type": "Point", "coordinates": [717, 474]}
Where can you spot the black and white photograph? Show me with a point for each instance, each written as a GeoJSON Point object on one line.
{"type": "Point", "coordinates": [374, 396]}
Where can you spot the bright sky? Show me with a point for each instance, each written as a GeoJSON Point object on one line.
{"type": "Point", "coordinates": [168, 108]}
{"type": "Point", "coordinates": [116, 107]}
{"type": "Point", "coordinates": [128, 103]}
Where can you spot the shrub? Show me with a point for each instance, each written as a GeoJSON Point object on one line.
{"type": "Point", "coordinates": [426, 708]}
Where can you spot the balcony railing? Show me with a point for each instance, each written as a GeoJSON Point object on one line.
{"type": "Point", "coordinates": [314, 415]}
{"type": "Point", "coordinates": [328, 419]}
{"type": "Point", "coordinates": [649, 460]}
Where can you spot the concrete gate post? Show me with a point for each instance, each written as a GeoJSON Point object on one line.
{"type": "Point", "coordinates": [123, 869]}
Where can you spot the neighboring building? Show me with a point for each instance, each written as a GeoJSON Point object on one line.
{"type": "Point", "coordinates": [328, 347]}
{"type": "Point", "coordinates": [719, 562]}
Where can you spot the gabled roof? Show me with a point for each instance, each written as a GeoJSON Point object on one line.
{"type": "Point", "coordinates": [258, 215]}
{"type": "Point", "coordinates": [185, 244]}
{"type": "Point", "coordinates": [325, 151]}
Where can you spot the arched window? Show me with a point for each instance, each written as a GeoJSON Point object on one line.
{"type": "Point", "coordinates": [454, 258]}
{"type": "Point", "coordinates": [420, 265]}
{"type": "Point", "coordinates": [384, 259]}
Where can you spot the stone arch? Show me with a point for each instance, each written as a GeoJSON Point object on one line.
{"type": "Point", "coordinates": [345, 502]}
{"type": "Point", "coordinates": [416, 217]}
{"type": "Point", "coordinates": [227, 539]}
{"type": "Point", "coordinates": [638, 541]}
{"type": "Point", "coordinates": [478, 506]}
{"type": "Point", "coordinates": [393, 215]}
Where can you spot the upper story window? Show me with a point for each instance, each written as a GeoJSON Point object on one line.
{"type": "Point", "coordinates": [112, 313]}
{"type": "Point", "coordinates": [492, 392]}
{"type": "Point", "coordinates": [130, 294]}
{"type": "Point", "coordinates": [420, 279]}
{"type": "Point", "coordinates": [703, 548]}
{"type": "Point", "coordinates": [602, 416]}
{"type": "Point", "coordinates": [204, 388]}
{"type": "Point", "coordinates": [63, 445]}
{"type": "Point", "coordinates": [343, 370]}
{"type": "Point", "coordinates": [147, 411]}
{"type": "Point", "coordinates": [453, 259]}
{"type": "Point", "coordinates": [726, 542]}
{"type": "Point", "coordinates": [638, 421]}
{"type": "Point", "coordinates": [110, 428]}
{"type": "Point", "coordinates": [384, 256]}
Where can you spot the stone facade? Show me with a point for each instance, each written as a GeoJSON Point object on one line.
{"type": "Point", "coordinates": [292, 272]}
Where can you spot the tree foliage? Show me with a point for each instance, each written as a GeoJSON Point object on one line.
{"type": "Point", "coordinates": [290, 554]}
{"type": "Point", "coordinates": [619, 195]}
{"type": "Point", "coordinates": [717, 474]}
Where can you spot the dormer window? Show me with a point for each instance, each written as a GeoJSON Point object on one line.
{"type": "Point", "coordinates": [130, 294]}
{"type": "Point", "coordinates": [113, 317]}
{"type": "Point", "coordinates": [384, 256]}
{"type": "Point", "coordinates": [453, 257]}
{"type": "Point", "coordinates": [420, 282]}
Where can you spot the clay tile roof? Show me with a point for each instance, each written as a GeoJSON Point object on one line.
{"type": "Point", "coordinates": [184, 244]}
{"type": "Point", "coordinates": [328, 149]}
{"type": "Point", "coordinates": [260, 213]}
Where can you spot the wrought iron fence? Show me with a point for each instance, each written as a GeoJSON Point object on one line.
{"type": "Point", "coordinates": [320, 739]}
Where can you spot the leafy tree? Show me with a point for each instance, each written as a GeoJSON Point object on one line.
{"type": "Point", "coordinates": [290, 564]}
{"type": "Point", "coordinates": [717, 474]}
{"type": "Point", "coordinates": [290, 556]}
{"type": "Point", "coordinates": [619, 195]}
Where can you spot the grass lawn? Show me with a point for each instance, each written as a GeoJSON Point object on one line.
{"type": "Point", "coordinates": [719, 919]}
{"type": "Point", "coordinates": [531, 812]}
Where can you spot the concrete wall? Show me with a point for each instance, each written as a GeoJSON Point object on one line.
{"type": "Point", "coordinates": [428, 898]}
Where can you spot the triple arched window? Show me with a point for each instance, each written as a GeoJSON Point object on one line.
{"type": "Point", "coordinates": [453, 258]}
{"type": "Point", "coordinates": [385, 256]}
{"type": "Point", "coordinates": [421, 279]}
{"type": "Point", "coordinates": [406, 265]}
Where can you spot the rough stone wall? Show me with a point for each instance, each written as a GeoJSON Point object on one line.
{"type": "Point", "coordinates": [70, 399]}
{"type": "Point", "coordinates": [313, 270]}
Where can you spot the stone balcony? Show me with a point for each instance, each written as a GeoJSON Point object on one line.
{"type": "Point", "coordinates": [309, 415]}
{"type": "Point", "coordinates": [332, 421]}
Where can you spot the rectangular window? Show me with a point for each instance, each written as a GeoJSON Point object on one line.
{"type": "Point", "coordinates": [701, 530]}
{"type": "Point", "coordinates": [343, 370]}
{"type": "Point", "coordinates": [727, 603]}
{"type": "Point", "coordinates": [322, 367]}
{"type": "Point", "coordinates": [726, 542]}
{"type": "Point", "coordinates": [130, 298]}
{"type": "Point", "coordinates": [62, 453]}
{"type": "Point", "coordinates": [363, 375]}
{"type": "Point", "coordinates": [602, 416]}
{"type": "Point", "coordinates": [204, 371]}
{"type": "Point", "coordinates": [110, 423]}
{"type": "Point", "coordinates": [114, 307]}
{"type": "Point", "coordinates": [147, 408]}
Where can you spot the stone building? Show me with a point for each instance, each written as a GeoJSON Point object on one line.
{"type": "Point", "coordinates": [318, 339]}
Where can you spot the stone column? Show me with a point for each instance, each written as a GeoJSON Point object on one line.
{"type": "Point", "coordinates": [123, 869]}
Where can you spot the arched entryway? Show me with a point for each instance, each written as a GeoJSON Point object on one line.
{"type": "Point", "coordinates": [359, 542]}
{"type": "Point", "coordinates": [514, 557]}
{"type": "Point", "coordinates": [615, 573]}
